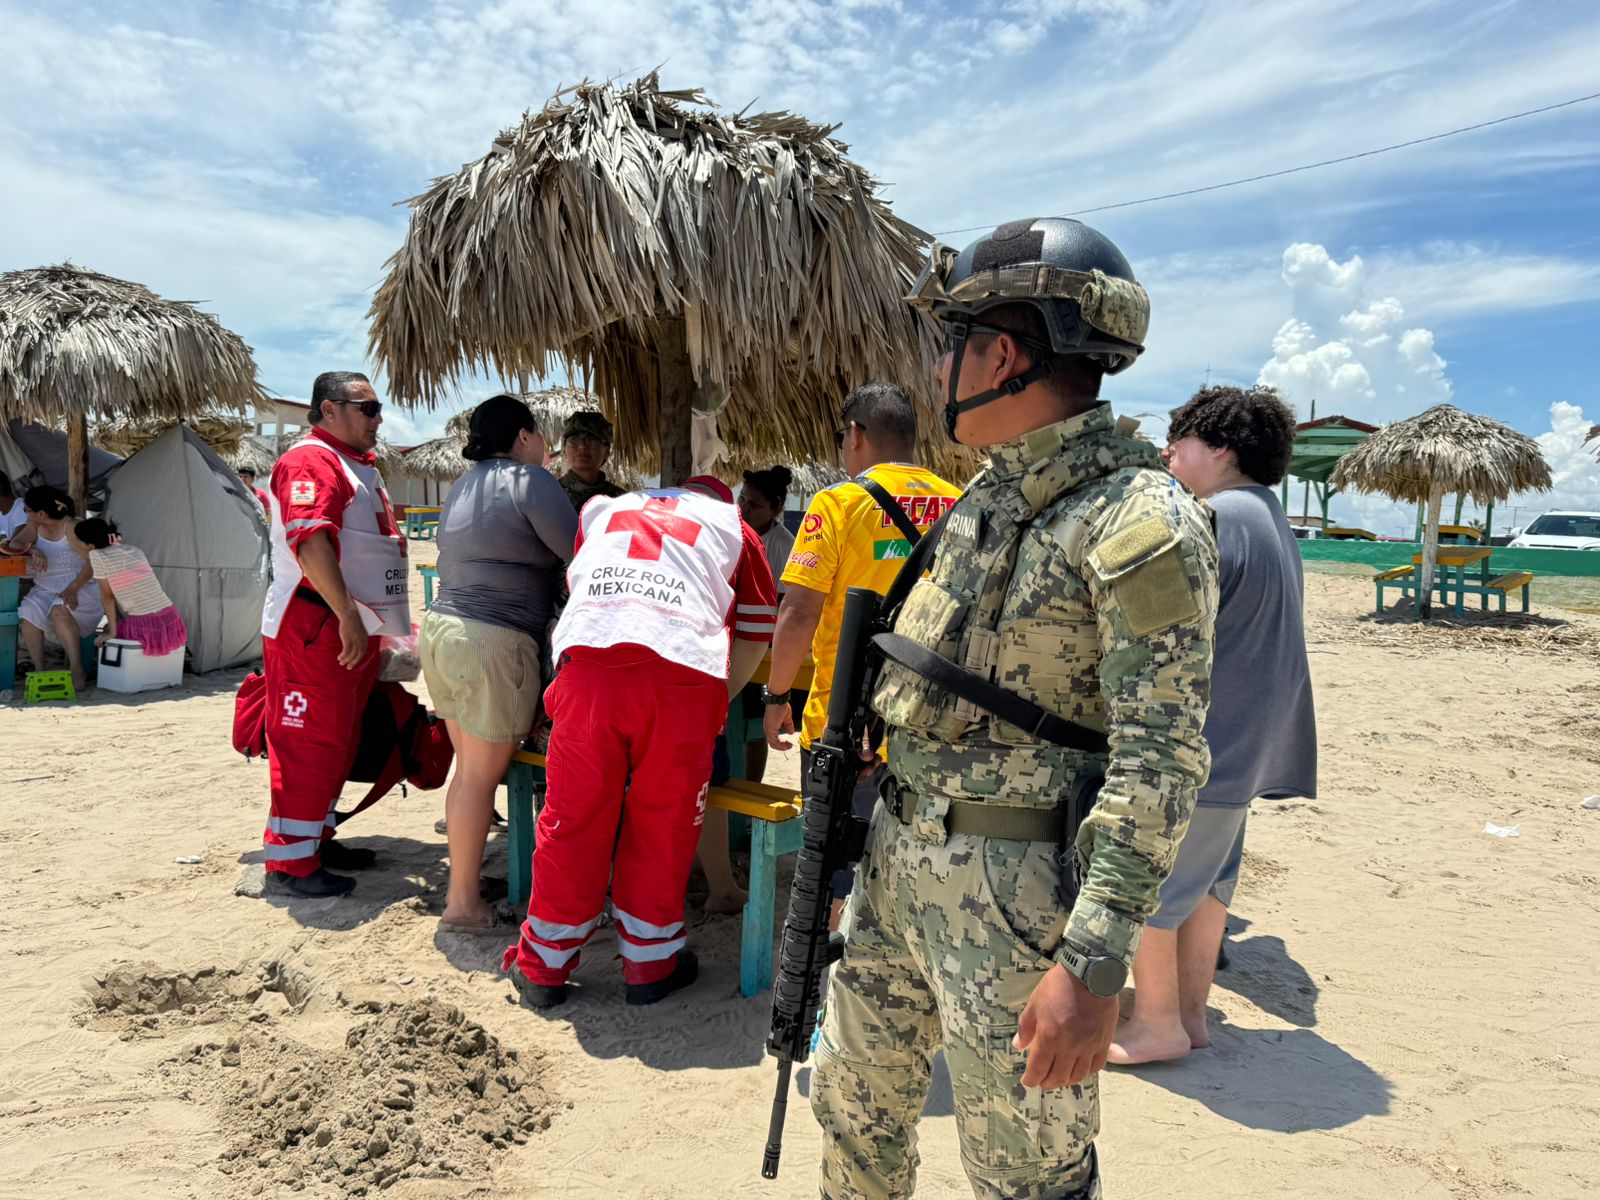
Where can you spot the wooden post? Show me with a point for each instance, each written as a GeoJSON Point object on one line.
{"type": "Point", "coordinates": [78, 461]}
{"type": "Point", "coordinates": [1461, 498]}
{"type": "Point", "coordinates": [1430, 550]}
{"type": "Point", "coordinates": [676, 399]}
{"type": "Point", "coordinates": [1488, 523]}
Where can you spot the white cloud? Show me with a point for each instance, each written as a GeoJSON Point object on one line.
{"type": "Point", "coordinates": [1574, 472]}
{"type": "Point", "coordinates": [1347, 351]}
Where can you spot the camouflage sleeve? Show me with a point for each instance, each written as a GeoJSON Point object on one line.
{"type": "Point", "coordinates": [1151, 565]}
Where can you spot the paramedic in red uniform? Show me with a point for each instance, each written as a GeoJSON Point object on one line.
{"type": "Point", "coordinates": [338, 583]}
{"type": "Point", "coordinates": [671, 612]}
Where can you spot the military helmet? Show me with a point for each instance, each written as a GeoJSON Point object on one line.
{"type": "Point", "coordinates": [1073, 275]}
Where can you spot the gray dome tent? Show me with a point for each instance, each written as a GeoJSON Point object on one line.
{"type": "Point", "coordinates": [206, 537]}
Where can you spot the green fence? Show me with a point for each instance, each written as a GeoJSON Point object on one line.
{"type": "Point", "coordinates": [1382, 555]}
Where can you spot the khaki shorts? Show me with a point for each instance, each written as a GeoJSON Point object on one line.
{"type": "Point", "coordinates": [483, 677]}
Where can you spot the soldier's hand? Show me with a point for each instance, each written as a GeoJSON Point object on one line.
{"type": "Point", "coordinates": [776, 721]}
{"type": "Point", "coordinates": [1066, 1030]}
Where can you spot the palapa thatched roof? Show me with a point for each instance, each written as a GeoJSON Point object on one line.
{"type": "Point", "coordinates": [438, 459]}
{"type": "Point", "coordinates": [614, 207]}
{"type": "Point", "coordinates": [1445, 448]}
{"type": "Point", "coordinates": [391, 462]}
{"type": "Point", "coordinates": [1594, 437]}
{"type": "Point", "coordinates": [75, 342]}
{"type": "Point", "coordinates": [252, 456]}
{"type": "Point", "coordinates": [221, 432]}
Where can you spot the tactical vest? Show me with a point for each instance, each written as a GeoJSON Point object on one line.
{"type": "Point", "coordinates": [1032, 633]}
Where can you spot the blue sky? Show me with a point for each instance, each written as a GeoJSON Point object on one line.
{"type": "Point", "coordinates": [250, 157]}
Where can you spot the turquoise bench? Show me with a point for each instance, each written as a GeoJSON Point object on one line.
{"type": "Point", "coordinates": [775, 829]}
{"type": "Point", "coordinates": [430, 577]}
{"type": "Point", "coordinates": [422, 521]}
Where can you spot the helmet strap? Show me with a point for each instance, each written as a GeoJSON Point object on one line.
{"type": "Point", "coordinates": [953, 408]}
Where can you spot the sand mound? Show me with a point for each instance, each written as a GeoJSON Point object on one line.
{"type": "Point", "coordinates": [144, 1000]}
{"type": "Point", "coordinates": [418, 1092]}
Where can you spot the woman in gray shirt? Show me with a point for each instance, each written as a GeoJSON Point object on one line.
{"type": "Point", "coordinates": [1229, 445]}
{"type": "Point", "coordinates": [505, 536]}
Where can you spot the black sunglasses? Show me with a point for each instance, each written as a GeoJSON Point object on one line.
{"type": "Point", "coordinates": [367, 408]}
{"type": "Point", "coordinates": [838, 434]}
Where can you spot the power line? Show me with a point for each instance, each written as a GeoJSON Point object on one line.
{"type": "Point", "coordinates": [1327, 162]}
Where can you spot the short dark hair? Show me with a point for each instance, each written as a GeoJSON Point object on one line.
{"type": "Point", "coordinates": [250, 471]}
{"type": "Point", "coordinates": [332, 385]}
{"type": "Point", "coordinates": [772, 484]}
{"type": "Point", "coordinates": [52, 502]}
{"type": "Point", "coordinates": [6, 486]}
{"type": "Point", "coordinates": [1072, 376]}
{"type": "Point", "coordinates": [94, 532]}
{"type": "Point", "coordinates": [884, 413]}
{"type": "Point", "coordinates": [1253, 422]}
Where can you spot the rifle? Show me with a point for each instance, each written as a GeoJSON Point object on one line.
{"type": "Point", "coordinates": [831, 838]}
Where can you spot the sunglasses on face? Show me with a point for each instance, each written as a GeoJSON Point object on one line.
{"type": "Point", "coordinates": [367, 408]}
{"type": "Point", "coordinates": [839, 434]}
{"type": "Point", "coordinates": [955, 334]}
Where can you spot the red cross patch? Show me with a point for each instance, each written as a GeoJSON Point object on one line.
{"type": "Point", "coordinates": [302, 491]}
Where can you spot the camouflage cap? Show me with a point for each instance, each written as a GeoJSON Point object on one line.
{"type": "Point", "coordinates": [590, 422]}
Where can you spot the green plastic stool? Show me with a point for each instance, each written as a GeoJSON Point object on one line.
{"type": "Point", "coordinates": [50, 685]}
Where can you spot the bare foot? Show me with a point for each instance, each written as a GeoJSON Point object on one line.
{"type": "Point", "coordinates": [1136, 1043]}
{"type": "Point", "coordinates": [1199, 1035]}
{"type": "Point", "coordinates": [726, 903]}
{"type": "Point", "coordinates": [475, 914]}
{"type": "Point", "coordinates": [80, 682]}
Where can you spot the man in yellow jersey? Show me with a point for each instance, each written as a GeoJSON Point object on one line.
{"type": "Point", "coordinates": [848, 538]}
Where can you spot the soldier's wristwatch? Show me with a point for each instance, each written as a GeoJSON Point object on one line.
{"type": "Point", "coordinates": [771, 698]}
{"type": "Point", "coordinates": [1100, 973]}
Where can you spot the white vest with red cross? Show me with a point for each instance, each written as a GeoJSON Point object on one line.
{"type": "Point", "coordinates": [372, 552]}
{"type": "Point", "coordinates": [654, 569]}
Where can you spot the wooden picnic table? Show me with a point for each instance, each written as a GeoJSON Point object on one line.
{"type": "Point", "coordinates": [12, 569]}
{"type": "Point", "coordinates": [417, 515]}
{"type": "Point", "coordinates": [1453, 562]}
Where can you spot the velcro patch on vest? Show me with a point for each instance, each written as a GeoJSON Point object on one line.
{"type": "Point", "coordinates": [1148, 578]}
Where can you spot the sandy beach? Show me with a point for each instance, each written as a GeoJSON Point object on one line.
{"type": "Point", "coordinates": [1409, 1012]}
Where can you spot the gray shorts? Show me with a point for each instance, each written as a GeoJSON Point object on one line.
{"type": "Point", "coordinates": [1207, 865]}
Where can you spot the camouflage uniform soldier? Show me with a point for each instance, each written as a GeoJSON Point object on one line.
{"type": "Point", "coordinates": [585, 447]}
{"type": "Point", "coordinates": [1076, 574]}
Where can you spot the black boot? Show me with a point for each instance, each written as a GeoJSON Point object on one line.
{"type": "Point", "coordinates": [537, 996]}
{"type": "Point", "coordinates": [336, 856]}
{"type": "Point", "coordinates": [685, 973]}
{"type": "Point", "coordinates": [319, 884]}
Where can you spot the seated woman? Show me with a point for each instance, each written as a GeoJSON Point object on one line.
{"type": "Point", "coordinates": [506, 532]}
{"type": "Point", "coordinates": [137, 608]}
{"type": "Point", "coordinates": [60, 606]}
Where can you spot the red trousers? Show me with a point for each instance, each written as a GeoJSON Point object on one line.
{"type": "Point", "coordinates": [314, 709]}
{"type": "Point", "coordinates": [626, 779]}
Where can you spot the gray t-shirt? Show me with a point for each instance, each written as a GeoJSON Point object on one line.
{"type": "Point", "coordinates": [1262, 727]}
{"type": "Point", "coordinates": [505, 533]}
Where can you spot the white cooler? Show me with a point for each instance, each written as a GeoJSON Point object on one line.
{"type": "Point", "coordinates": [124, 667]}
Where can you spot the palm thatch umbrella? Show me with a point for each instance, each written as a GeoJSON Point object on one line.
{"type": "Point", "coordinates": [76, 344]}
{"type": "Point", "coordinates": [1443, 450]}
{"type": "Point", "coordinates": [224, 433]}
{"type": "Point", "coordinates": [671, 254]}
{"type": "Point", "coordinates": [252, 456]}
{"type": "Point", "coordinates": [391, 462]}
{"type": "Point", "coordinates": [438, 459]}
{"type": "Point", "coordinates": [1594, 437]}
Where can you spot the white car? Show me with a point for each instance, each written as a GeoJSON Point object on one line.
{"type": "Point", "coordinates": [1560, 531]}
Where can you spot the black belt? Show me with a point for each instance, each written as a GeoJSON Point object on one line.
{"type": "Point", "coordinates": [311, 597]}
{"type": "Point", "coordinates": [977, 819]}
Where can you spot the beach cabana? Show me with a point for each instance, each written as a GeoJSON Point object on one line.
{"type": "Point", "coordinates": [75, 344]}
{"type": "Point", "coordinates": [1318, 447]}
{"type": "Point", "coordinates": [1443, 450]}
{"type": "Point", "coordinates": [674, 256]}
{"type": "Point", "coordinates": [251, 455]}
